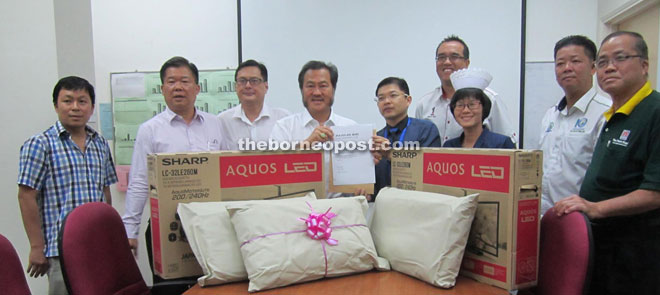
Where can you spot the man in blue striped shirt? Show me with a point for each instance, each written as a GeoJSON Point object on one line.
{"type": "Point", "coordinates": [60, 169]}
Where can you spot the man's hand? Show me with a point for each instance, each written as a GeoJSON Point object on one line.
{"type": "Point", "coordinates": [377, 157]}
{"type": "Point", "coordinates": [38, 264]}
{"type": "Point", "coordinates": [363, 192]}
{"type": "Point", "coordinates": [380, 148]}
{"type": "Point", "coordinates": [27, 201]}
{"type": "Point", "coordinates": [320, 134]}
{"type": "Point", "coordinates": [133, 243]}
{"type": "Point", "coordinates": [576, 203]}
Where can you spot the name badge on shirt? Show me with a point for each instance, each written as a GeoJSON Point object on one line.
{"type": "Point", "coordinates": [622, 140]}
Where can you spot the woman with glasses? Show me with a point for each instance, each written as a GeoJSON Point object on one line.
{"type": "Point", "coordinates": [470, 107]}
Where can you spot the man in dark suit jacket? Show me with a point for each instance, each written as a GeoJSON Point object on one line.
{"type": "Point", "coordinates": [393, 99]}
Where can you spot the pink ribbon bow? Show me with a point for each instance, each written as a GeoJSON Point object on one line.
{"type": "Point", "coordinates": [318, 225]}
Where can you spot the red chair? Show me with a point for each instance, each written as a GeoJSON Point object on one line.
{"type": "Point", "coordinates": [12, 280]}
{"type": "Point", "coordinates": [566, 254]}
{"type": "Point", "coordinates": [95, 255]}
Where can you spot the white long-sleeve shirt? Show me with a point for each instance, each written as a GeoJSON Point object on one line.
{"type": "Point", "coordinates": [432, 106]}
{"type": "Point", "coordinates": [167, 132]}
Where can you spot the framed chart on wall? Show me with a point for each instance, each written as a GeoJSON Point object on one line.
{"type": "Point", "coordinates": [137, 97]}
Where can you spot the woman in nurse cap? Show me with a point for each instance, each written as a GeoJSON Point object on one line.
{"type": "Point", "coordinates": [470, 107]}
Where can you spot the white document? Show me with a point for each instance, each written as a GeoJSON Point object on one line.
{"type": "Point", "coordinates": [127, 85]}
{"type": "Point", "coordinates": [352, 162]}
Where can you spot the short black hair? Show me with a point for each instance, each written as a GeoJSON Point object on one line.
{"type": "Point", "coordinates": [317, 65]}
{"type": "Point", "coordinates": [403, 85]}
{"type": "Point", "coordinates": [454, 38]}
{"type": "Point", "coordinates": [578, 40]}
{"type": "Point", "coordinates": [177, 62]}
{"type": "Point", "coordinates": [475, 93]}
{"type": "Point", "coordinates": [253, 63]}
{"type": "Point", "coordinates": [73, 83]}
{"type": "Point", "coordinates": [640, 46]}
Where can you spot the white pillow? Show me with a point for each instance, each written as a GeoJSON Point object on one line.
{"type": "Point", "coordinates": [213, 241]}
{"type": "Point", "coordinates": [423, 234]}
{"type": "Point", "coordinates": [277, 250]}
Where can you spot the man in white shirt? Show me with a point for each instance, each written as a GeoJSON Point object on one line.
{"type": "Point", "coordinates": [180, 128]}
{"type": "Point", "coordinates": [452, 54]}
{"type": "Point", "coordinates": [252, 120]}
{"type": "Point", "coordinates": [317, 81]}
{"type": "Point", "coordinates": [570, 128]}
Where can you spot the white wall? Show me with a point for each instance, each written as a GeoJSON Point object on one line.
{"type": "Point", "coordinates": [370, 40]}
{"type": "Point", "coordinates": [29, 72]}
{"type": "Point", "coordinates": [73, 28]}
{"type": "Point", "coordinates": [141, 35]}
{"type": "Point", "coordinates": [549, 21]}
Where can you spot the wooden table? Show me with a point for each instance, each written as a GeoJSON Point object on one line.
{"type": "Point", "coordinates": [389, 282]}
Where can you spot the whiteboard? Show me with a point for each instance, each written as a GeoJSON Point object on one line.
{"type": "Point", "coordinates": [373, 39]}
{"type": "Point", "coordinates": [541, 93]}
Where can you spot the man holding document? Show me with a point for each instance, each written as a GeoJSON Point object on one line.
{"type": "Point", "coordinates": [317, 81]}
{"type": "Point", "coordinates": [393, 99]}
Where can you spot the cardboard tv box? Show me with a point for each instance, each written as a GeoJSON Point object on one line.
{"type": "Point", "coordinates": [219, 176]}
{"type": "Point", "coordinates": [503, 247]}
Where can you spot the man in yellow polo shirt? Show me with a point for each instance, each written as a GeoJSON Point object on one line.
{"type": "Point", "coordinates": [621, 189]}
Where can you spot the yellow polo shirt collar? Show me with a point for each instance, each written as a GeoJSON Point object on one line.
{"type": "Point", "coordinates": [630, 105]}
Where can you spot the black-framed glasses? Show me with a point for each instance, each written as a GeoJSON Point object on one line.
{"type": "Point", "coordinates": [392, 96]}
{"type": "Point", "coordinates": [252, 81]}
{"type": "Point", "coordinates": [452, 57]}
{"type": "Point", "coordinates": [473, 105]}
{"type": "Point", "coordinates": [603, 62]}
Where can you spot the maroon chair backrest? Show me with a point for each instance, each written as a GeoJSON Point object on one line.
{"type": "Point", "coordinates": [565, 254]}
{"type": "Point", "coordinates": [12, 277]}
{"type": "Point", "coordinates": [95, 255]}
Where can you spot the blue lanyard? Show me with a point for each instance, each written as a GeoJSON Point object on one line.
{"type": "Point", "coordinates": [403, 133]}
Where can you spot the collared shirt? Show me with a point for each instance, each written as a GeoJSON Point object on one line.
{"type": "Point", "coordinates": [432, 106]}
{"type": "Point", "coordinates": [394, 132]}
{"type": "Point", "coordinates": [630, 105]}
{"type": "Point", "coordinates": [167, 132]}
{"type": "Point", "coordinates": [627, 155]}
{"type": "Point", "coordinates": [236, 125]}
{"type": "Point", "coordinates": [568, 138]}
{"type": "Point", "coordinates": [52, 163]}
{"type": "Point", "coordinates": [299, 126]}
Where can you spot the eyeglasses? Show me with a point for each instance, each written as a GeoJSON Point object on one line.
{"type": "Point", "coordinates": [471, 105]}
{"type": "Point", "coordinates": [452, 58]}
{"type": "Point", "coordinates": [603, 62]}
{"type": "Point", "coordinates": [252, 81]}
{"type": "Point", "coordinates": [392, 96]}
